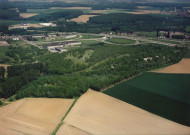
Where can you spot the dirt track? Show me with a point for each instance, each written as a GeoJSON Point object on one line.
{"type": "Point", "coordinates": [4, 65]}
{"type": "Point", "coordinates": [183, 67]}
{"type": "Point", "coordinates": [32, 116]}
{"type": "Point", "coordinates": [97, 113]}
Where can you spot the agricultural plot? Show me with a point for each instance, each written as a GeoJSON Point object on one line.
{"type": "Point", "coordinates": [120, 41]}
{"type": "Point", "coordinates": [27, 15]}
{"type": "Point", "coordinates": [148, 34]}
{"type": "Point", "coordinates": [32, 116]}
{"type": "Point", "coordinates": [85, 8]}
{"type": "Point", "coordinates": [97, 113]}
{"type": "Point", "coordinates": [82, 18]}
{"type": "Point", "coordinates": [183, 67]}
{"type": "Point", "coordinates": [166, 95]}
{"type": "Point", "coordinates": [146, 12]}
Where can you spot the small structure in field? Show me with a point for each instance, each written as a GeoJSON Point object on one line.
{"type": "Point", "coordinates": [60, 49]}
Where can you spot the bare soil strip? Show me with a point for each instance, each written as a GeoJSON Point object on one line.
{"type": "Point", "coordinates": [82, 18]}
{"type": "Point", "coordinates": [4, 65]}
{"type": "Point", "coordinates": [183, 67]}
{"type": "Point", "coordinates": [36, 116]}
{"type": "Point", "coordinates": [97, 113]}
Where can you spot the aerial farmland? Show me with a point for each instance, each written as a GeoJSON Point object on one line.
{"type": "Point", "coordinates": [94, 67]}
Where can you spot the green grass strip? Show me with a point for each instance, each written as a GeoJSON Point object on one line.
{"type": "Point", "coordinates": [61, 122]}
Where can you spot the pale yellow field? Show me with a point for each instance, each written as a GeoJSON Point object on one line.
{"type": "Point", "coordinates": [27, 15]}
{"type": "Point", "coordinates": [36, 116]}
{"type": "Point", "coordinates": [146, 12]}
{"type": "Point", "coordinates": [99, 114]}
{"type": "Point", "coordinates": [82, 18]}
{"type": "Point", "coordinates": [88, 8]}
{"type": "Point", "coordinates": [183, 67]}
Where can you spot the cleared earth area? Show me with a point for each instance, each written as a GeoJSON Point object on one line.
{"type": "Point", "coordinates": [82, 18]}
{"type": "Point", "coordinates": [183, 67]}
{"type": "Point", "coordinates": [97, 113]}
{"type": "Point", "coordinates": [36, 116]}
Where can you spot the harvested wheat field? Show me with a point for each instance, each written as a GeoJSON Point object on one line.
{"type": "Point", "coordinates": [36, 116]}
{"type": "Point", "coordinates": [82, 18]}
{"type": "Point", "coordinates": [146, 12]}
{"type": "Point", "coordinates": [27, 15]}
{"type": "Point", "coordinates": [97, 113]}
{"type": "Point", "coordinates": [4, 65]}
{"type": "Point", "coordinates": [183, 67]}
{"type": "Point", "coordinates": [88, 8]}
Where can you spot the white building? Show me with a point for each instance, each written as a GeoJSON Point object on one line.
{"type": "Point", "coordinates": [47, 24]}
{"type": "Point", "coordinates": [52, 46]}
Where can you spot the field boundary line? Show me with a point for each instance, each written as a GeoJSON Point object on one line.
{"type": "Point", "coordinates": [61, 122]}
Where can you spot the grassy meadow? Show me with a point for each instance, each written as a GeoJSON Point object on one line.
{"type": "Point", "coordinates": [163, 94]}
{"type": "Point", "coordinates": [120, 41]}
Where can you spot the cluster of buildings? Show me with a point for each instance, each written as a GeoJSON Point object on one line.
{"type": "Point", "coordinates": [28, 25]}
{"type": "Point", "coordinates": [4, 39]}
{"type": "Point", "coordinates": [53, 36]}
{"type": "Point", "coordinates": [171, 34]}
{"type": "Point", "coordinates": [60, 46]}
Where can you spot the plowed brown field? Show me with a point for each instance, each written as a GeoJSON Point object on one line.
{"type": "Point", "coordinates": [35, 116]}
{"type": "Point", "coordinates": [82, 18]}
{"type": "Point", "coordinates": [27, 15]}
{"type": "Point", "coordinates": [183, 67]}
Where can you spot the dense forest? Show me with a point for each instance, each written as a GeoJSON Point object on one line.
{"type": "Point", "coordinates": [70, 74]}
{"type": "Point", "coordinates": [122, 22]}
{"type": "Point", "coordinates": [46, 17]}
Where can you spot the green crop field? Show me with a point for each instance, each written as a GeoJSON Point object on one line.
{"type": "Point", "coordinates": [148, 34]}
{"type": "Point", "coordinates": [121, 41]}
{"type": "Point", "coordinates": [187, 55]}
{"type": "Point", "coordinates": [166, 95]}
{"type": "Point", "coordinates": [90, 36]}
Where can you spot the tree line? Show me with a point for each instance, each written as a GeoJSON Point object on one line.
{"type": "Point", "coordinates": [17, 77]}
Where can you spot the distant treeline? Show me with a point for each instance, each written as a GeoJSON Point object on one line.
{"type": "Point", "coordinates": [99, 5]}
{"type": "Point", "coordinates": [17, 77]}
{"type": "Point", "coordinates": [122, 22]}
{"type": "Point", "coordinates": [46, 17]}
